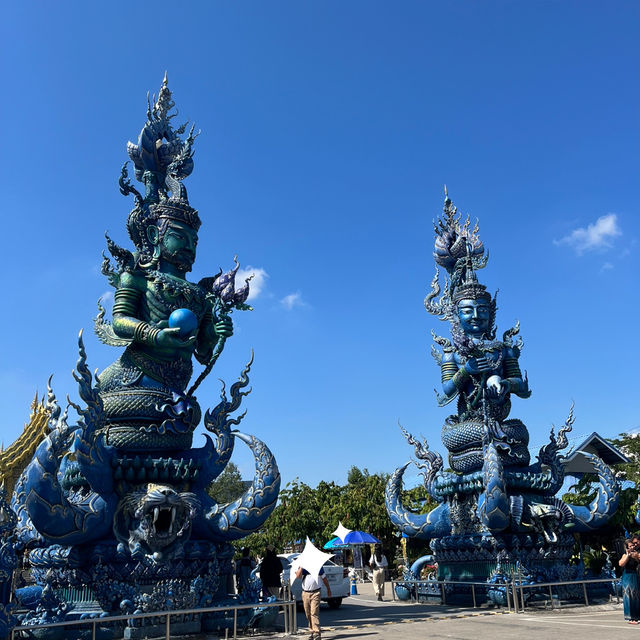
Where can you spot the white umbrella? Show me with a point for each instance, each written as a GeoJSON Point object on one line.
{"type": "Point", "coordinates": [310, 559]}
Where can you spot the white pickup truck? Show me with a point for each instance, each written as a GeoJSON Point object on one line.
{"type": "Point", "coordinates": [337, 576]}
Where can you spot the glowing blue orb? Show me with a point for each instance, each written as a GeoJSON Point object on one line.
{"type": "Point", "coordinates": [185, 320]}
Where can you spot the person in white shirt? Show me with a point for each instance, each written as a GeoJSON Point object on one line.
{"type": "Point", "coordinates": [311, 599]}
{"type": "Point", "coordinates": [379, 565]}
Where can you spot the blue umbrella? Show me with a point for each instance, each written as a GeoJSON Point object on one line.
{"type": "Point", "coordinates": [360, 537]}
{"type": "Point", "coordinates": [335, 543]}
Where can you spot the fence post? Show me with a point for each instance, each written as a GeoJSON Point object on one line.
{"type": "Point", "coordinates": [285, 613]}
{"type": "Point", "coordinates": [235, 624]}
{"type": "Point", "coordinates": [292, 608]}
{"type": "Point", "coordinates": [506, 593]}
{"type": "Point", "coordinates": [514, 592]}
{"type": "Point", "coordinates": [473, 594]}
{"type": "Point", "coordinates": [584, 588]}
{"type": "Point", "coordinates": [444, 597]}
{"type": "Point", "coordinates": [93, 631]}
{"type": "Point", "coordinates": [293, 623]}
{"type": "Point", "coordinates": [292, 617]}
{"type": "Point", "coordinates": [168, 627]}
{"type": "Point", "coordinates": [550, 597]}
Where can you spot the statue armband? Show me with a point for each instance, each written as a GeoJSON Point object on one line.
{"type": "Point", "coordinates": [448, 370]}
{"type": "Point", "coordinates": [125, 305]}
{"type": "Point", "coordinates": [512, 368]}
{"type": "Point", "coordinates": [125, 302]}
{"type": "Point", "coordinates": [460, 378]}
{"type": "Point", "coordinates": [145, 333]}
{"type": "Point", "coordinates": [517, 382]}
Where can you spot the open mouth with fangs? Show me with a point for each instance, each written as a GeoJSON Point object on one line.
{"type": "Point", "coordinates": [163, 521]}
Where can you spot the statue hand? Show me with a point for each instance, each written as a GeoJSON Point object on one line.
{"type": "Point", "coordinates": [170, 339]}
{"type": "Point", "coordinates": [496, 388]}
{"type": "Point", "coordinates": [223, 327]}
{"type": "Point", "coordinates": [474, 366]}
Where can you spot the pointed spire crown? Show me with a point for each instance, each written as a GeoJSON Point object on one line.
{"type": "Point", "coordinates": [162, 160]}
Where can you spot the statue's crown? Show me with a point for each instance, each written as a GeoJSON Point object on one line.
{"type": "Point", "coordinates": [470, 288]}
{"type": "Point", "coordinates": [162, 160]}
{"type": "Point", "coordinates": [181, 211]}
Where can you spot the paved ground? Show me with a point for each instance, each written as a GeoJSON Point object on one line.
{"type": "Point", "coordinates": [362, 616]}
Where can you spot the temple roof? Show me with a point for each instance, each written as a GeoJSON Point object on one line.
{"type": "Point", "coordinates": [15, 458]}
{"type": "Point", "coordinates": [576, 463]}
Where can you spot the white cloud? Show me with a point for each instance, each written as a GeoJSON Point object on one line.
{"type": "Point", "coordinates": [106, 298]}
{"type": "Point", "coordinates": [292, 300]}
{"type": "Point", "coordinates": [257, 283]}
{"type": "Point", "coordinates": [607, 266]}
{"type": "Point", "coordinates": [598, 235]}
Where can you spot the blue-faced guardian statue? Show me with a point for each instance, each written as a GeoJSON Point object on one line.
{"type": "Point", "coordinates": [495, 510]}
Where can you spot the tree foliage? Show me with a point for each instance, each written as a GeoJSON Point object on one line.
{"type": "Point", "coordinates": [315, 512]}
{"type": "Point", "coordinates": [625, 517]}
{"type": "Point", "coordinates": [228, 486]}
{"type": "Point", "coordinates": [629, 444]}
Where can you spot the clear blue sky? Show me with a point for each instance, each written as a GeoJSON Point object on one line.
{"type": "Point", "coordinates": [328, 131]}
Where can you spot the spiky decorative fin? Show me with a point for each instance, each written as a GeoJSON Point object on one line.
{"type": "Point", "coordinates": [104, 330]}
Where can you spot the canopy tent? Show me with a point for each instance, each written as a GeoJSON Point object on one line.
{"type": "Point", "coordinates": [335, 543]}
{"type": "Point", "coordinates": [347, 537]}
{"type": "Point", "coordinates": [360, 537]}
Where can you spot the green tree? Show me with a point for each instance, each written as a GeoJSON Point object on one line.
{"type": "Point", "coordinates": [355, 476]}
{"type": "Point", "coordinates": [629, 444]}
{"type": "Point", "coordinates": [315, 512]}
{"type": "Point", "coordinates": [228, 486]}
{"type": "Point", "coordinates": [625, 516]}
{"type": "Point", "coordinates": [418, 501]}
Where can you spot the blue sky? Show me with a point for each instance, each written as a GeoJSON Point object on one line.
{"type": "Point", "coordinates": [328, 131]}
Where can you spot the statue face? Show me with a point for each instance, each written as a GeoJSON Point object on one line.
{"type": "Point", "coordinates": [474, 317]}
{"type": "Point", "coordinates": [178, 245]}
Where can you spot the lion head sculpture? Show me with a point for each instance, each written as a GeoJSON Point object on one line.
{"type": "Point", "coordinates": [155, 520]}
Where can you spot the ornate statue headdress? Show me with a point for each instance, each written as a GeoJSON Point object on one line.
{"type": "Point", "coordinates": [469, 288]}
{"type": "Point", "coordinates": [459, 250]}
{"type": "Point", "coordinates": [162, 160]}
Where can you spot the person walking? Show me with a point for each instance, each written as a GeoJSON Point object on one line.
{"type": "Point", "coordinates": [379, 565]}
{"type": "Point", "coordinates": [630, 583]}
{"type": "Point", "coordinates": [270, 570]}
{"type": "Point", "coordinates": [244, 567]}
{"type": "Point", "coordinates": [311, 599]}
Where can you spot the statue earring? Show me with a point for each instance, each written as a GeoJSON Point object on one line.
{"type": "Point", "coordinates": [155, 258]}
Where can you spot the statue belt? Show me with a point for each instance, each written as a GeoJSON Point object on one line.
{"type": "Point", "coordinates": [173, 373]}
